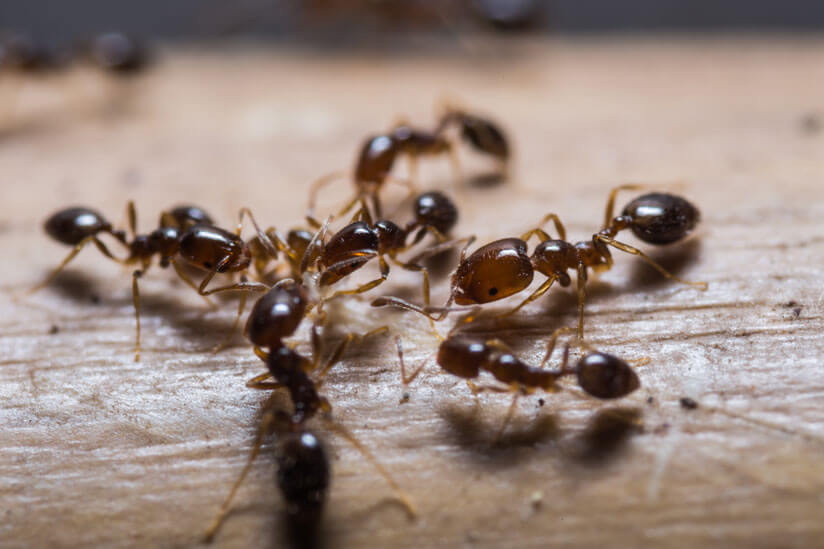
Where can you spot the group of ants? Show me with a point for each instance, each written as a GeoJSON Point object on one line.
{"type": "Point", "coordinates": [296, 272]}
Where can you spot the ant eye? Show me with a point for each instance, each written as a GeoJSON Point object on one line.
{"type": "Point", "coordinates": [493, 291]}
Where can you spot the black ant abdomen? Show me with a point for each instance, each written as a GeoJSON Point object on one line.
{"type": "Point", "coordinates": [277, 314]}
{"type": "Point", "coordinates": [661, 218]}
{"type": "Point", "coordinates": [73, 225]}
{"type": "Point", "coordinates": [606, 376]}
{"type": "Point", "coordinates": [436, 210]}
{"type": "Point", "coordinates": [303, 473]}
{"type": "Point", "coordinates": [185, 217]}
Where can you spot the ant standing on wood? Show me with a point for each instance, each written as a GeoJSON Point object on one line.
{"type": "Point", "coordinates": [502, 268]}
{"type": "Point", "coordinates": [601, 375]}
{"type": "Point", "coordinates": [185, 232]}
{"type": "Point", "coordinates": [274, 317]}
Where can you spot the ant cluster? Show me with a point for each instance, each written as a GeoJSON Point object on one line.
{"type": "Point", "coordinates": [299, 273]}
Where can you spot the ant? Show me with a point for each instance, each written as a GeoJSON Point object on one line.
{"type": "Point", "coordinates": [376, 158]}
{"type": "Point", "coordinates": [361, 240]}
{"type": "Point", "coordinates": [185, 232]}
{"type": "Point", "coordinates": [275, 316]}
{"type": "Point", "coordinates": [601, 375]}
{"type": "Point", "coordinates": [502, 268]}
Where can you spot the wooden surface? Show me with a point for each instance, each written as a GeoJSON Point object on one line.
{"type": "Point", "coordinates": [98, 450]}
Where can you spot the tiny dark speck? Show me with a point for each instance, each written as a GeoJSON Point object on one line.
{"type": "Point", "coordinates": [688, 404]}
{"type": "Point", "coordinates": [810, 124]}
{"type": "Point", "coordinates": [54, 329]}
{"type": "Point", "coordinates": [791, 303]}
{"type": "Point", "coordinates": [94, 298]}
{"type": "Point", "coordinates": [650, 400]}
{"type": "Point", "coordinates": [493, 291]}
{"type": "Point", "coordinates": [541, 402]}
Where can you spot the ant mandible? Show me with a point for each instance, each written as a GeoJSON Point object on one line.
{"type": "Point", "coordinates": [274, 317]}
{"type": "Point", "coordinates": [502, 268]}
{"type": "Point", "coordinates": [601, 375]}
{"type": "Point", "coordinates": [185, 232]}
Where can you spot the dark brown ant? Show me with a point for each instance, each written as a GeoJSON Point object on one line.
{"type": "Point", "coordinates": [482, 134]}
{"type": "Point", "coordinates": [376, 159]}
{"type": "Point", "coordinates": [502, 268]}
{"type": "Point", "coordinates": [361, 241]}
{"type": "Point", "coordinates": [601, 375]}
{"type": "Point", "coordinates": [183, 233]}
{"type": "Point", "coordinates": [275, 316]}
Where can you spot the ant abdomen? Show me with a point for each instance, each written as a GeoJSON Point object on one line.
{"type": "Point", "coordinates": [436, 210]}
{"type": "Point", "coordinates": [485, 136]}
{"type": "Point", "coordinates": [303, 471]}
{"type": "Point", "coordinates": [606, 376]}
{"type": "Point", "coordinates": [494, 271]}
{"type": "Point", "coordinates": [661, 218]}
{"type": "Point", "coordinates": [72, 225]}
{"type": "Point", "coordinates": [276, 315]}
{"type": "Point", "coordinates": [185, 217]}
{"type": "Point", "coordinates": [462, 356]}
{"type": "Point", "coordinates": [348, 249]}
{"type": "Point", "coordinates": [376, 159]}
{"type": "Point", "coordinates": [214, 249]}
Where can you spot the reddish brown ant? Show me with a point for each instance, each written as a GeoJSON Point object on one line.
{"type": "Point", "coordinates": [274, 317]}
{"type": "Point", "coordinates": [601, 375]}
{"type": "Point", "coordinates": [185, 232]}
{"type": "Point", "coordinates": [502, 268]}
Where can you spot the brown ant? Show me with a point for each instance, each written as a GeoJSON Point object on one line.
{"type": "Point", "coordinates": [357, 243]}
{"type": "Point", "coordinates": [601, 375]}
{"type": "Point", "coordinates": [275, 316]}
{"type": "Point", "coordinates": [185, 233]}
{"type": "Point", "coordinates": [502, 268]}
{"type": "Point", "coordinates": [376, 159]}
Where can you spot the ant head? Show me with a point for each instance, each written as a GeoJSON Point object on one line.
{"type": "Point", "coordinates": [661, 218]}
{"type": "Point", "coordinates": [277, 314]}
{"type": "Point", "coordinates": [390, 236]}
{"type": "Point", "coordinates": [606, 376]}
{"type": "Point", "coordinates": [436, 210]}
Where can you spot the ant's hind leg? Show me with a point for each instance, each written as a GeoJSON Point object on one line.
{"type": "Point", "coordinates": [317, 185]}
{"type": "Point", "coordinates": [266, 423]}
{"type": "Point", "coordinates": [635, 251]}
{"type": "Point", "coordinates": [337, 355]}
{"type": "Point", "coordinates": [367, 286]}
{"type": "Point", "coordinates": [411, 377]}
{"type": "Point", "coordinates": [542, 289]}
{"type": "Point", "coordinates": [191, 283]}
{"type": "Point", "coordinates": [136, 303]}
{"type": "Point", "coordinates": [559, 227]}
{"type": "Point", "coordinates": [82, 244]}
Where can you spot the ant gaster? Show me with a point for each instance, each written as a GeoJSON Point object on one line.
{"type": "Point", "coordinates": [482, 134]}
{"type": "Point", "coordinates": [502, 268]}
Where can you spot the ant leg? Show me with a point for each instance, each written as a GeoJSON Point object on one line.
{"type": "Point", "coordinates": [541, 233]}
{"type": "Point", "coordinates": [403, 498]}
{"type": "Point", "coordinates": [610, 209]}
{"type": "Point", "coordinates": [259, 382]}
{"type": "Point", "coordinates": [553, 339]}
{"type": "Point", "coordinates": [228, 338]}
{"type": "Point", "coordinates": [82, 244]}
{"type": "Point", "coordinates": [269, 239]}
{"type": "Point", "coordinates": [582, 295]}
{"type": "Point", "coordinates": [311, 253]}
{"type": "Point", "coordinates": [187, 279]}
{"type": "Point", "coordinates": [455, 162]}
{"type": "Point", "coordinates": [317, 185]}
{"type": "Point", "coordinates": [508, 417]}
{"type": "Point", "coordinates": [542, 289]}
{"type": "Point", "coordinates": [131, 215]}
{"type": "Point", "coordinates": [242, 285]}
{"type": "Point", "coordinates": [438, 248]}
{"type": "Point", "coordinates": [351, 204]}
{"type": "Point", "coordinates": [136, 303]}
{"type": "Point", "coordinates": [367, 286]}
{"type": "Point", "coordinates": [425, 288]}
{"type": "Point", "coordinates": [260, 353]}
{"type": "Point", "coordinates": [341, 348]}
{"type": "Point", "coordinates": [635, 251]}
{"type": "Point", "coordinates": [263, 430]}
{"type": "Point", "coordinates": [384, 301]}
{"type": "Point", "coordinates": [413, 189]}
{"type": "Point", "coordinates": [410, 378]}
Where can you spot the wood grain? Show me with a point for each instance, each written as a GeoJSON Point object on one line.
{"type": "Point", "coordinates": [96, 450]}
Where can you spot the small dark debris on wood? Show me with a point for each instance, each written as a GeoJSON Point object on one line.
{"type": "Point", "coordinates": [54, 329]}
{"type": "Point", "coordinates": [688, 404]}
